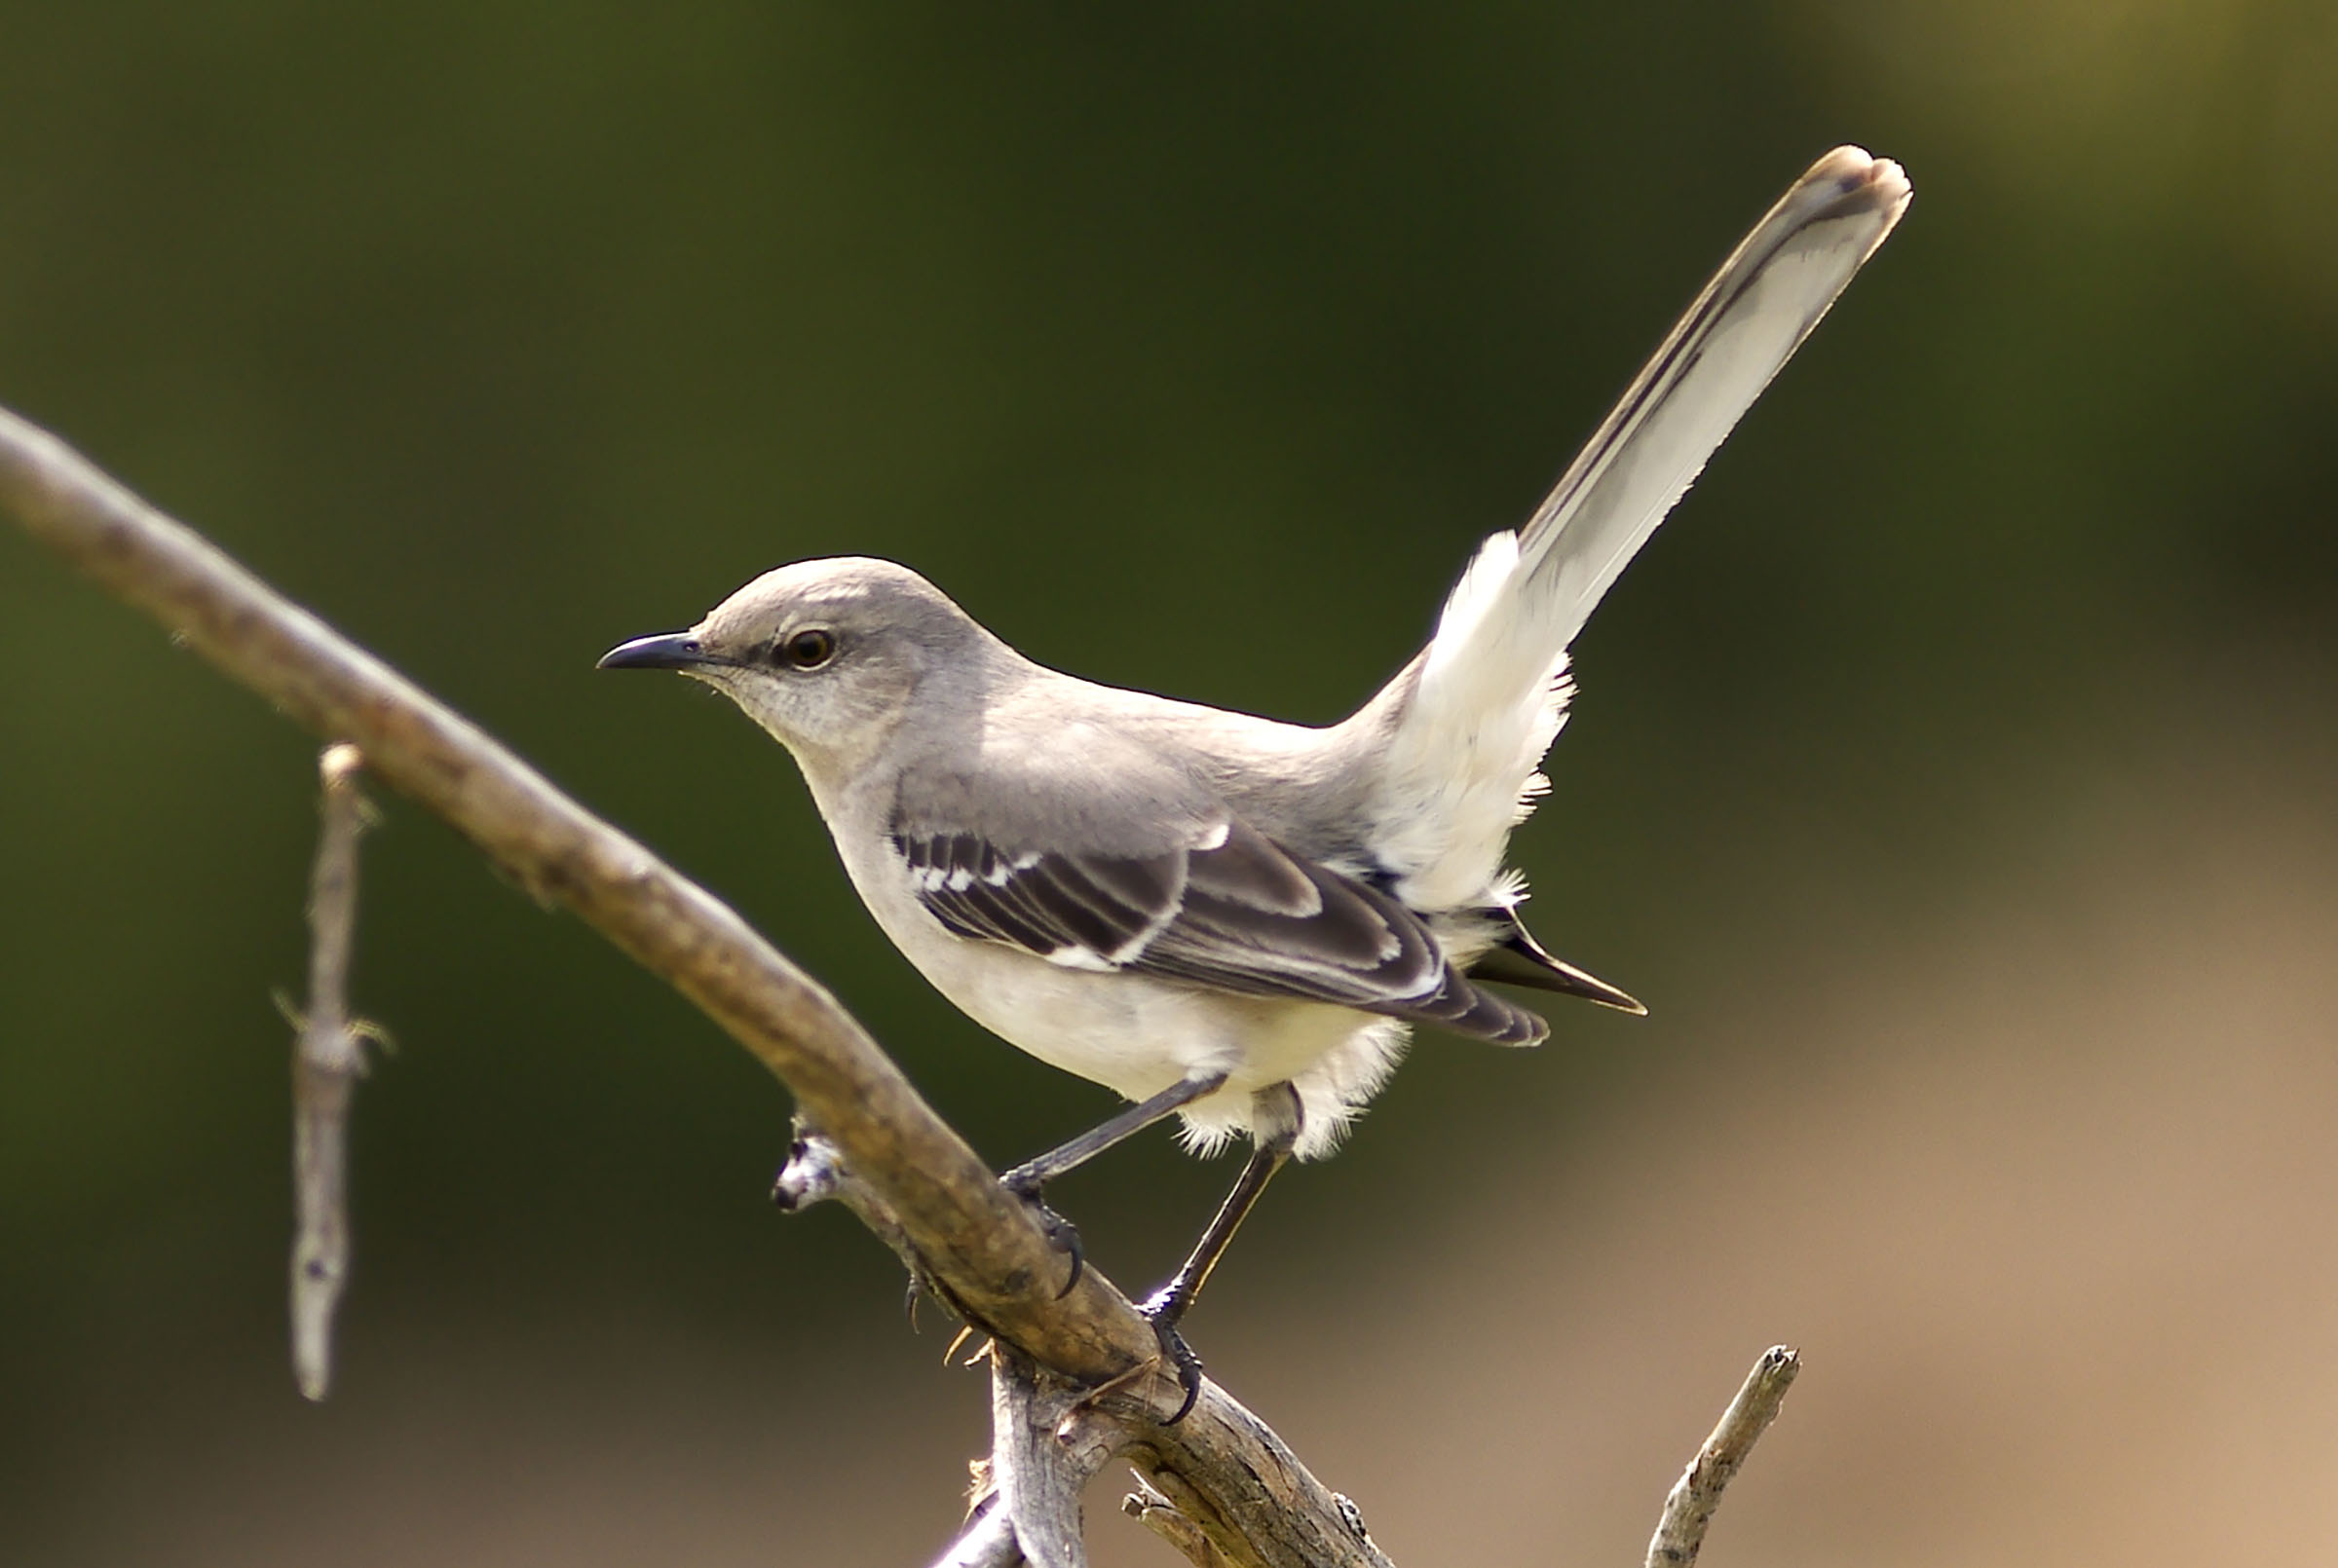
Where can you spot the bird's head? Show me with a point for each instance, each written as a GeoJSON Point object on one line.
{"type": "Point", "coordinates": [826, 654]}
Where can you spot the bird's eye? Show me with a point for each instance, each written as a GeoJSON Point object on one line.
{"type": "Point", "coordinates": [809, 649]}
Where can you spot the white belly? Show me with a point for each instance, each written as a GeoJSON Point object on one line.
{"type": "Point", "coordinates": [1138, 1036]}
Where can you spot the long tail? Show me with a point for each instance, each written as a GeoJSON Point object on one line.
{"type": "Point", "coordinates": [1473, 715]}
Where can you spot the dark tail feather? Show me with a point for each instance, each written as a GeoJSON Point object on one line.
{"type": "Point", "coordinates": [1517, 959]}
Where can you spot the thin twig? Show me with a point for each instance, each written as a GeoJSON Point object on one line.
{"type": "Point", "coordinates": [328, 1058]}
{"type": "Point", "coordinates": [816, 1172]}
{"type": "Point", "coordinates": [1688, 1509]}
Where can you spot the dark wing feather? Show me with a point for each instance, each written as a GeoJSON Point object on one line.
{"type": "Point", "coordinates": [1236, 912]}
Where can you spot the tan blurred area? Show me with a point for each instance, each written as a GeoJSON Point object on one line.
{"type": "Point", "coordinates": [2043, 1195]}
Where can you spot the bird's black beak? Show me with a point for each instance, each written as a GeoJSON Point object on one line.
{"type": "Point", "coordinates": [670, 651]}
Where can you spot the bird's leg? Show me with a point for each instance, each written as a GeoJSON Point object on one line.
{"type": "Point", "coordinates": [1027, 1180]}
{"type": "Point", "coordinates": [1274, 1125]}
{"type": "Point", "coordinates": [1032, 1174]}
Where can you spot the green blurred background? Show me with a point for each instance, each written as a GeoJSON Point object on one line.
{"type": "Point", "coordinates": [1953, 776]}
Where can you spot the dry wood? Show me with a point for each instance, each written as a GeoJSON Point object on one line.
{"type": "Point", "coordinates": [1149, 1507]}
{"type": "Point", "coordinates": [987, 1543]}
{"type": "Point", "coordinates": [328, 1058]}
{"type": "Point", "coordinates": [1688, 1509]}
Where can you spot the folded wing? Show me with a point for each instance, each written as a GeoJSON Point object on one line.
{"type": "Point", "coordinates": [1232, 911]}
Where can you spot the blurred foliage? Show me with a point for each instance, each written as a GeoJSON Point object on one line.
{"type": "Point", "coordinates": [1191, 350]}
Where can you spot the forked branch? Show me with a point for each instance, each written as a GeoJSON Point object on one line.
{"type": "Point", "coordinates": [967, 1234]}
{"type": "Point", "coordinates": [1219, 1484]}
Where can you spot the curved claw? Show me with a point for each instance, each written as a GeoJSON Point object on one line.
{"type": "Point", "coordinates": [1062, 1234]}
{"type": "Point", "coordinates": [1177, 1352]}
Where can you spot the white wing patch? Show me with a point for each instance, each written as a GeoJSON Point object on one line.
{"type": "Point", "coordinates": [957, 878]}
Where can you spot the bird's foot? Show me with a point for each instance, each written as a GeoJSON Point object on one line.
{"type": "Point", "coordinates": [1061, 1233]}
{"type": "Point", "coordinates": [1162, 1309]}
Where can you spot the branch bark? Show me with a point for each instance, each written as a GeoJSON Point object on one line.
{"type": "Point", "coordinates": [987, 1543]}
{"type": "Point", "coordinates": [1230, 1475]}
{"type": "Point", "coordinates": [1045, 1446]}
{"type": "Point", "coordinates": [1151, 1507]}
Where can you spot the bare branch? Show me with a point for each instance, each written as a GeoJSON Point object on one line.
{"type": "Point", "coordinates": [933, 1198]}
{"type": "Point", "coordinates": [1219, 1484]}
{"type": "Point", "coordinates": [1225, 1470]}
{"type": "Point", "coordinates": [1039, 1483]}
{"type": "Point", "coordinates": [1047, 1442]}
{"type": "Point", "coordinates": [327, 1061]}
{"type": "Point", "coordinates": [971, 1229]}
{"type": "Point", "coordinates": [1688, 1509]}
{"type": "Point", "coordinates": [816, 1172]}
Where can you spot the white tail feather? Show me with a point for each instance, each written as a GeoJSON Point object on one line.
{"type": "Point", "coordinates": [1492, 693]}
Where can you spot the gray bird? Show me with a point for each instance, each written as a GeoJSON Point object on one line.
{"type": "Point", "coordinates": [1220, 916]}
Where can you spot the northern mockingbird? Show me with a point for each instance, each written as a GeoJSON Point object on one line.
{"type": "Point", "coordinates": [1224, 917]}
